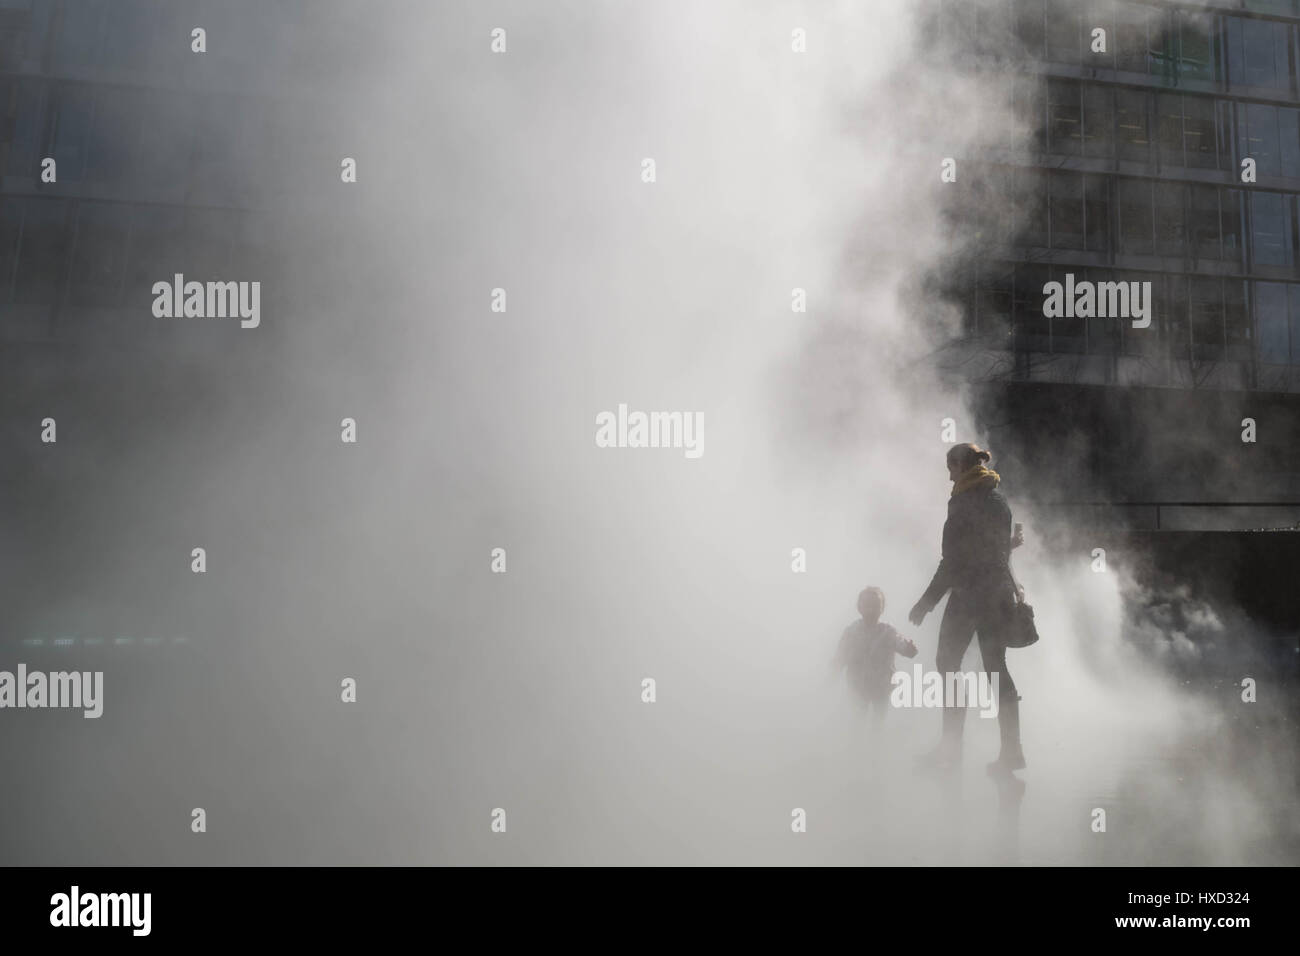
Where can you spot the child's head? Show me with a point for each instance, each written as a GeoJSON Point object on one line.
{"type": "Point", "coordinates": [871, 604]}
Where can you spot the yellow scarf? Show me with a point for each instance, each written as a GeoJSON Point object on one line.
{"type": "Point", "coordinates": [977, 477]}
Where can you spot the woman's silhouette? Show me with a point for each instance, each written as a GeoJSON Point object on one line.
{"type": "Point", "coordinates": [976, 567]}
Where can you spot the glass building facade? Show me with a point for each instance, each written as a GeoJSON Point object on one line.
{"type": "Point", "coordinates": [1171, 156]}
{"type": "Point", "coordinates": [165, 160]}
{"type": "Point", "coordinates": [151, 143]}
{"type": "Point", "coordinates": [1133, 172]}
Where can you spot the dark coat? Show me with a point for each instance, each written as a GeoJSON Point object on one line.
{"type": "Point", "coordinates": [976, 548]}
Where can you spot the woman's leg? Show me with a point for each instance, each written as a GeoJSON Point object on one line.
{"type": "Point", "coordinates": [993, 656]}
{"type": "Point", "coordinates": [955, 632]}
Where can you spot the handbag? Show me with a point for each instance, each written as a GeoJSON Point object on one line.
{"type": "Point", "coordinates": [1020, 630]}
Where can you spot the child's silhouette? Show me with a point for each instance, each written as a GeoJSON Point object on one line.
{"type": "Point", "coordinates": [866, 650]}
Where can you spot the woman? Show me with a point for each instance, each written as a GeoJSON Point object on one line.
{"type": "Point", "coordinates": [976, 567]}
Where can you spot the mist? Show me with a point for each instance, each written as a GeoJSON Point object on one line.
{"type": "Point", "coordinates": [522, 690]}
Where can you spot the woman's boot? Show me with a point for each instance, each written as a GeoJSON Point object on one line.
{"type": "Point", "coordinates": [1011, 757]}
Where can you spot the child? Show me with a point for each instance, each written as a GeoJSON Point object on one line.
{"type": "Point", "coordinates": [867, 650]}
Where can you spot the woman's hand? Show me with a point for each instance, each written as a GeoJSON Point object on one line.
{"type": "Point", "coordinates": [917, 614]}
{"type": "Point", "coordinates": [1018, 538]}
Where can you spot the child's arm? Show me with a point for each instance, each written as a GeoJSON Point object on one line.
{"type": "Point", "coordinates": [902, 645]}
{"type": "Point", "coordinates": [838, 662]}
{"type": "Point", "coordinates": [841, 653]}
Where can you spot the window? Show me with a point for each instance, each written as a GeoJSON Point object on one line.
{"type": "Point", "coordinates": [1205, 299]}
{"type": "Point", "coordinates": [1097, 335]}
{"type": "Point", "coordinates": [10, 230]}
{"type": "Point", "coordinates": [1151, 340]}
{"type": "Point", "coordinates": [128, 45]}
{"type": "Point", "coordinates": [1031, 326]}
{"type": "Point", "coordinates": [209, 234]}
{"type": "Point", "coordinates": [1030, 200]}
{"type": "Point", "coordinates": [1257, 137]}
{"type": "Point", "coordinates": [1058, 334]}
{"type": "Point", "coordinates": [1098, 13]}
{"type": "Point", "coordinates": [1225, 112]}
{"type": "Point", "coordinates": [1293, 310]}
{"type": "Point", "coordinates": [1065, 131]}
{"type": "Point", "coordinates": [73, 109]}
{"type": "Point", "coordinates": [1067, 210]}
{"type": "Point", "coordinates": [166, 141]}
{"type": "Point", "coordinates": [982, 207]}
{"type": "Point", "coordinates": [114, 133]}
{"type": "Point", "coordinates": [1069, 334]}
{"type": "Point", "coordinates": [254, 239]}
{"type": "Point", "coordinates": [156, 251]}
{"type": "Point", "coordinates": [1272, 6]}
{"type": "Point", "coordinates": [1270, 232]}
{"type": "Point", "coordinates": [1257, 53]}
{"type": "Point", "coordinates": [99, 258]}
{"type": "Point", "coordinates": [1098, 123]}
{"type": "Point", "coordinates": [1288, 125]}
{"type": "Point", "coordinates": [990, 26]}
{"type": "Point", "coordinates": [261, 151]}
{"type": "Point", "coordinates": [1203, 221]}
{"type": "Point", "coordinates": [1176, 323]}
{"type": "Point", "coordinates": [958, 286]}
{"type": "Point", "coordinates": [232, 130]}
{"type": "Point", "coordinates": [1028, 16]}
{"type": "Point", "coordinates": [28, 98]}
{"type": "Point", "coordinates": [1169, 128]}
{"type": "Point", "coordinates": [1062, 31]}
{"type": "Point", "coordinates": [29, 43]}
{"type": "Point", "coordinates": [1096, 212]}
{"type": "Point", "coordinates": [171, 20]}
{"type": "Point", "coordinates": [79, 44]}
{"type": "Point", "coordinates": [1162, 45]}
{"type": "Point", "coordinates": [1196, 46]}
{"type": "Point", "coordinates": [1170, 238]}
{"type": "Point", "coordinates": [1199, 139]}
{"type": "Point", "coordinates": [1230, 220]}
{"type": "Point", "coordinates": [1271, 321]}
{"type": "Point", "coordinates": [1131, 38]}
{"type": "Point", "coordinates": [40, 251]}
{"type": "Point", "coordinates": [1236, 320]}
{"type": "Point", "coordinates": [1132, 140]}
{"type": "Point", "coordinates": [1135, 224]}
{"type": "Point", "coordinates": [994, 304]}
{"type": "Point", "coordinates": [1028, 104]}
